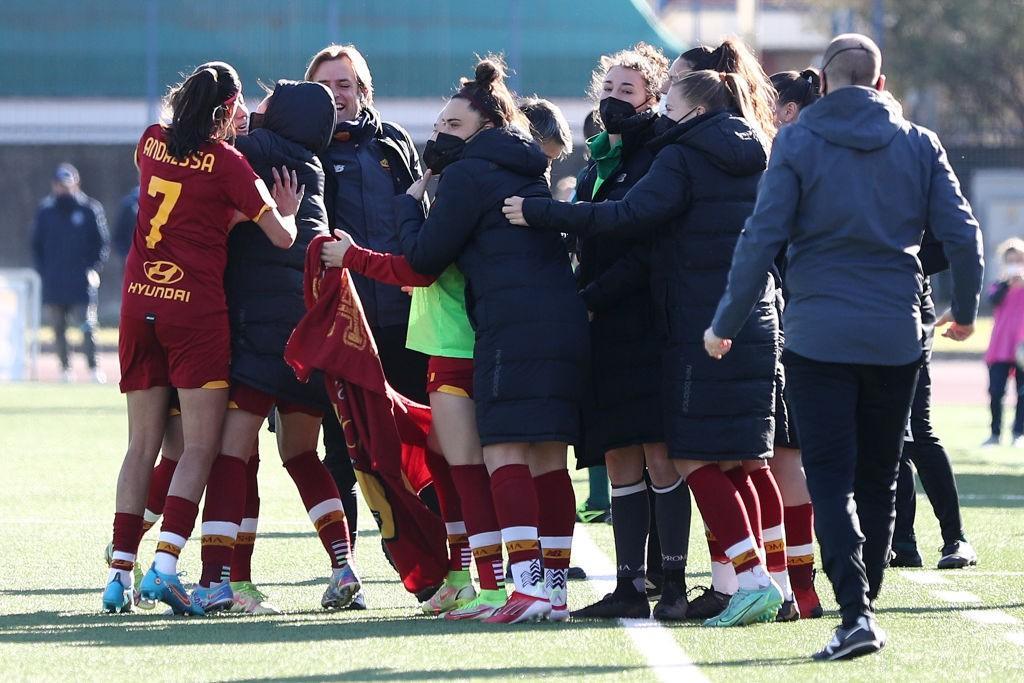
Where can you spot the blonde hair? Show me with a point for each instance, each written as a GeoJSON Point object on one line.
{"type": "Point", "coordinates": [717, 90]}
{"type": "Point", "coordinates": [355, 58]}
{"type": "Point", "coordinates": [1013, 244]}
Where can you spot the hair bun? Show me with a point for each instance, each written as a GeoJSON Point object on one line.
{"type": "Point", "coordinates": [813, 78]}
{"type": "Point", "coordinates": [489, 70]}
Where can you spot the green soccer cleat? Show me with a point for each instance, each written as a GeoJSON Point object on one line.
{"type": "Point", "coordinates": [117, 598]}
{"type": "Point", "coordinates": [455, 592]}
{"type": "Point", "coordinates": [750, 607]}
{"type": "Point", "coordinates": [248, 599]}
{"type": "Point", "coordinates": [482, 606]}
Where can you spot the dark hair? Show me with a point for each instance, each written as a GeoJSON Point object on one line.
{"type": "Point", "coordinates": [488, 95]}
{"type": "Point", "coordinates": [803, 88]}
{"type": "Point", "coordinates": [645, 59]}
{"type": "Point", "coordinates": [201, 107]}
{"type": "Point", "coordinates": [717, 90]}
{"type": "Point", "coordinates": [547, 123]}
{"type": "Point", "coordinates": [733, 56]}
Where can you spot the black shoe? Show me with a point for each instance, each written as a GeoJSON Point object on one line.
{"type": "Point", "coordinates": [957, 555]}
{"type": "Point", "coordinates": [905, 556]}
{"type": "Point", "coordinates": [358, 602]}
{"type": "Point", "coordinates": [577, 574]}
{"type": "Point", "coordinates": [863, 638]}
{"type": "Point", "coordinates": [620, 604]}
{"type": "Point", "coordinates": [654, 582]}
{"type": "Point", "coordinates": [789, 611]}
{"type": "Point", "coordinates": [672, 606]}
{"type": "Point", "coordinates": [710, 603]}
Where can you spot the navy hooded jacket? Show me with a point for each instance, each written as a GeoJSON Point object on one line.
{"type": "Point", "coordinates": [264, 283]}
{"type": "Point", "coordinates": [69, 240]}
{"type": "Point", "coordinates": [851, 186]}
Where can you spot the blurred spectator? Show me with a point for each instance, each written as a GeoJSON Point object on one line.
{"type": "Point", "coordinates": [124, 229]}
{"type": "Point", "coordinates": [565, 189]}
{"type": "Point", "coordinates": [70, 244]}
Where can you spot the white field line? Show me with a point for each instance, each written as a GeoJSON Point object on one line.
{"type": "Point", "coordinates": [656, 643]}
{"type": "Point", "coordinates": [924, 578]}
{"type": "Point", "coordinates": [994, 617]}
{"type": "Point", "coordinates": [957, 597]}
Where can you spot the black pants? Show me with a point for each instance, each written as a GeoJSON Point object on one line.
{"type": "Point", "coordinates": [851, 420]}
{"type": "Point", "coordinates": [998, 375]}
{"type": "Point", "coordinates": [63, 314]}
{"type": "Point", "coordinates": [932, 462]}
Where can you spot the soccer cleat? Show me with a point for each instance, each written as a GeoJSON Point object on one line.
{"type": "Point", "coordinates": [672, 606]}
{"type": "Point", "coordinates": [588, 515]}
{"type": "Point", "coordinates": [619, 604]}
{"type": "Point", "coordinates": [248, 599]}
{"type": "Point", "coordinates": [342, 590]}
{"type": "Point", "coordinates": [136, 574]}
{"type": "Point", "coordinates": [167, 588]}
{"type": "Point", "coordinates": [216, 598]}
{"type": "Point", "coordinates": [481, 607]}
{"type": "Point", "coordinates": [654, 582]}
{"type": "Point", "coordinates": [990, 441]}
{"type": "Point", "coordinates": [905, 556]}
{"type": "Point", "coordinates": [957, 555]}
{"type": "Point", "coordinates": [863, 638]}
{"type": "Point", "coordinates": [710, 603]}
{"type": "Point", "coordinates": [789, 611]}
{"type": "Point", "coordinates": [750, 607]}
{"type": "Point", "coordinates": [358, 602]}
{"type": "Point", "coordinates": [807, 603]}
{"type": "Point", "coordinates": [519, 608]}
{"type": "Point", "coordinates": [117, 598]}
{"type": "Point", "coordinates": [448, 598]}
{"type": "Point", "coordinates": [558, 597]}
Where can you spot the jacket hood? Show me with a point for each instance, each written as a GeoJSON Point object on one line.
{"type": "Point", "coordinates": [855, 117]}
{"type": "Point", "coordinates": [302, 113]}
{"type": "Point", "coordinates": [725, 137]}
{"type": "Point", "coordinates": [509, 149]}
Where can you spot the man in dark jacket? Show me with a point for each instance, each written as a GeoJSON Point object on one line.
{"type": "Point", "coordinates": [851, 186]}
{"type": "Point", "coordinates": [124, 229]}
{"type": "Point", "coordinates": [70, 245]}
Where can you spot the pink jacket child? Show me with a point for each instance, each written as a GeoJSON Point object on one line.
{"type": "Point", "coordinates": [1004, 354]}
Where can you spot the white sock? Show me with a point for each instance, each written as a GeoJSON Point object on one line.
{"type": "Point", "coordinates": [528, 578]}
{"type": "Point", "coordinates": [782, 578]}
{"type": "Point", "coordinates": [723, 578]}
{"type": "Point", "coordinates": [125, 575]}
{"type": "Point", "coordinates": [165, 562]}
{"type": "Point", "coordinates": [753, 579]}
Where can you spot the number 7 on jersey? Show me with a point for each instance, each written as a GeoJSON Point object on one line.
{"type": "Point", "coordinates": [171, 191]}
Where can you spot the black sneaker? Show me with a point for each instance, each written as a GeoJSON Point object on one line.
{"type": "Point", "coordinates": [672, 606]}
{"type": "Point", "coordinates": [788, 612]}
{"type": "Point", "coordinates": [620, 604]}
{"type": "Point", "coordinates": [905, 556]}
{"type": "Point", "coordinates": [863, 638]}
{"type": "Point", "coordinates": [957, 555]}
{"type": "Point", "coordinates": [710, 603]}
{"type": "Point", "coordinates": [654, 582]}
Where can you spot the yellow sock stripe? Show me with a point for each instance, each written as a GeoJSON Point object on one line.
{"type": "Point", "coordinates": [743, 558]}
{"type": "Point", "coordinates": [332, 517]}
{"type": "Point", "coordinates": [245, 538]}
{"type": "Point", "coordinates": [799, 560]}
{"type": "Point", "coordinates": [518, 546]}
{"type": "Point", "coordinates": [169, 548]}
{"type": "Point", "coordinates": [146, 526]}
{"type": "Point", "coordinates": [775, 546]}
{"type": "Point", "coordinates": [123, 565]}
{"type": "Point", "coordinates": [215, 540]}
{"type": "Point", "coordinates": [485, 551]}
{"type": "Point", "coordinates": [556, 553]}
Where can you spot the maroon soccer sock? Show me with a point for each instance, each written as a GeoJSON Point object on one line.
{"type": "Point", "coordinates": [723, 512]}
{"type": "Point", "coordinates": [557, 518]}
{"type": "Point", "coordinates": [745, 487]}
{"type": "Point", "coordinates": [515, 502]}
{"type": "Point", "coordinates": [800, 545]}
{"type": "Point", "coordinates": [474, 487]}
{"type": "Point", "coordinates": [179, 520]}
{"type": "Point", "coordinates": [241, 558]}
{"type": "Point", "coordinates": [222, 515]}
{"type": "Point", "coordinates": [127, 531]}
{"type": "Point", "coordinates": [459, 556]}
{"type": "Point", "coordinates": [159, 482]}
{"type": "Point", "coordinates": [320, 495]}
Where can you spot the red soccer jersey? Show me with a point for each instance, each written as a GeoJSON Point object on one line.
{"type": "Point", "coordinates": [175, 269]}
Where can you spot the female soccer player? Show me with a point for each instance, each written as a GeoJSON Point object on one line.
{"type": "Point", "coordinates": [622, 420]}
{"type": "Point", "coordinates": [174, 326]}
{"type": "Point", "coordinates": [718, 418]}
{"type": "Point", "coordinates": [530, 326]}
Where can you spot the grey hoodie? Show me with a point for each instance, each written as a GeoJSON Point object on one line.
{"type": "Point", "coordinates": [850, 187]}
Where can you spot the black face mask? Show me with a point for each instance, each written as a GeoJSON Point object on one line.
{"type": "Point", "coordinates": [620, 116]}
{"type": "Point", "coordinates": [443, 150]}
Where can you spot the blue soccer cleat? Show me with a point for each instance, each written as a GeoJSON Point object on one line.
{"type": "Point", "coordinates": [117, 598]}
{"type": "Point", "coordinates": [168, 589]}
{"type": "Point", "coordinates": [217, 597]}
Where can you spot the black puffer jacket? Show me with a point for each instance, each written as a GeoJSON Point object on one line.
{"type": "Point", "coordinates": [702, 186]}
{"type": "Point", "coordinates": [531, 327]}
{"type": "Point", "coordinates": [623, 407]}
{"type": "Point", "coordinates": [264, 283]}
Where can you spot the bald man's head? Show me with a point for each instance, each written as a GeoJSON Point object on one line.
{"type": "Point", "coordinates": [851, 59]}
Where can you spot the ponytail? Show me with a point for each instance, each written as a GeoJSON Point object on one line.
{"type": "Point", "coordinates": [716, 91]}
{"type": "Point", "coordinates": [803, 89]}
{"type": "Point", "coordinates": [739, 94]}
{"type": "Point", "coordinates": [201, 108]}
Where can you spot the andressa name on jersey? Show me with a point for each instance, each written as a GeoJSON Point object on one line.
{"type": "Point", "coordinates": [157, 150]}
